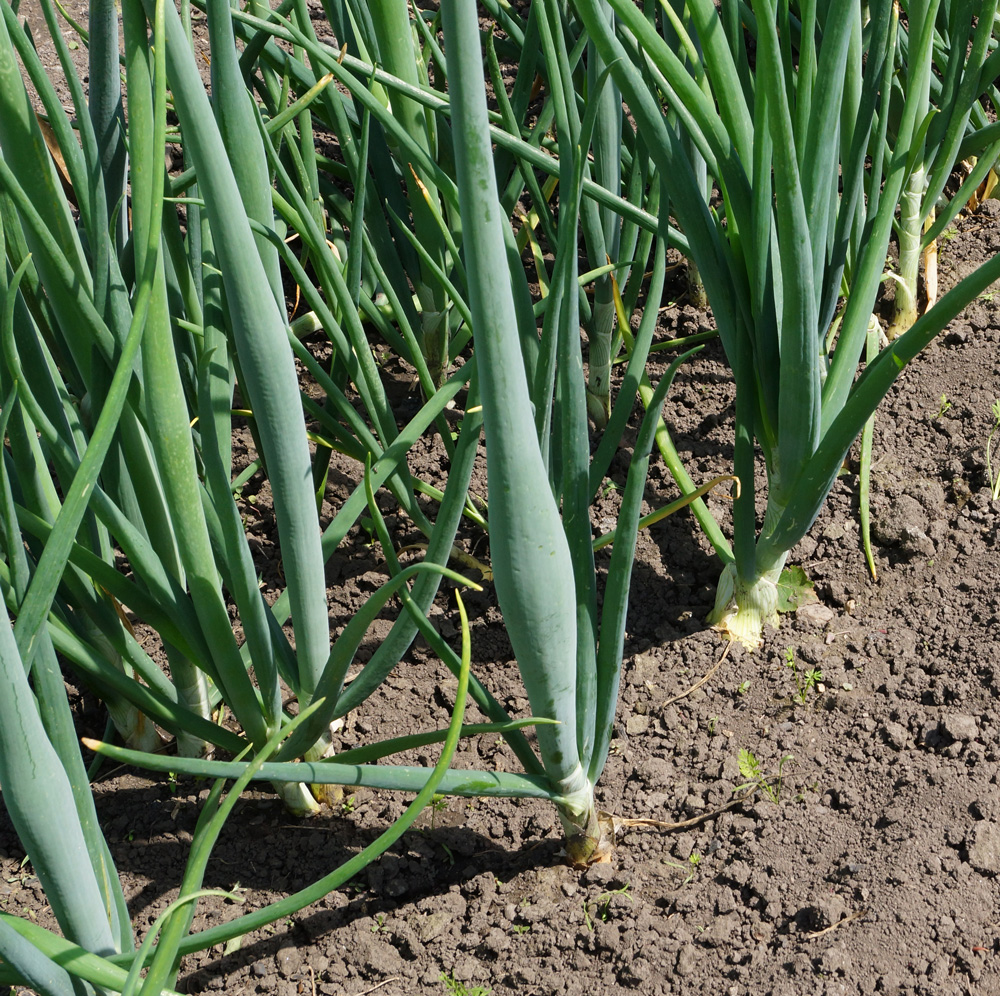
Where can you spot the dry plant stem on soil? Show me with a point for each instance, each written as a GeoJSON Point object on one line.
{"type": "Point", "coordinates": [701, 681]}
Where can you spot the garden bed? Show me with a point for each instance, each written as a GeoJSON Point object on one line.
{"type": "Point", "coordinates": [873, 872]}
{"type": "Point", "coordinates": [869, 862]}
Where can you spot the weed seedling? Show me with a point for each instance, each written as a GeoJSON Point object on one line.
{"type": "Point", "coordinates": [25, 867]}
{"type": "Point", "coordinates": [994, 476]}
{"type": "Point", "coordinates": [944, 405]}
{"type": "Point", "coordinates": [439, 804]}
{"type": "Point", "coordinates": [755, 778]}
{"type": "Point", "coordinates": [457, 988]}
{"type": "Point", "coordinates": [811, 679]}
{"type": "Point", "coordinates": [805, 681]}
{"type": "Point", "coordinates": [690, 867]}
{"type": "Point", "coordinates": [743, 687]}
{"type": "Point", "coordinates": [603, 905]}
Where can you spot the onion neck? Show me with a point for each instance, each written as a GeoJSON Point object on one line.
{"type": "Point", "coordinates": [589, 833]}
{"type": "Point", "coordinates": [744, 605]}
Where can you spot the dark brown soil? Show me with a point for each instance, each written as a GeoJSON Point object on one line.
{"type": "Point", "coordinates": [875, 871]}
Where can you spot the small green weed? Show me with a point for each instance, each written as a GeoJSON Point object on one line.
{"type": "Point", "coordinates": [690, 867]}
{"type": "Point", "coordinates": [942, 407]}
{"type": "Point", "coordinates": [805, 681]}
{"type": "Point", "coordinates": [755, 778]}
{"type": "Point", "coordinates": [458, 988]}
{"type": "Point", "coordinates": [24, 873]}
{"type": "Point", "coordinates": [602, 907]}
{"type": "Point", "coordinates": [439, 804]}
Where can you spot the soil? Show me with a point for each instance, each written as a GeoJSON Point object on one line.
{"type": "Point", "coordinates": [872, 870]}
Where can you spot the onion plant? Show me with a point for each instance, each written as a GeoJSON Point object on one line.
{"type": "Point", "coordinates": [953, 127]}
{"type": "Point", "coordinates": [382, 33]}
{"type": "Point", "coordinates": [545, 45]}
{"type": "Point", "coordinates": [993, 474]}
{"type": "Point", "coordinates": [119, 361]}
{"type": "Point", "coordinates": [798, 147]}
{"type": "Point", "coordinates": [569, 88]}
{"type": "Point", "coordinates": [96, 950]}
{"type": "Point", "coordinates": [677, 11]}
{"type": "Point", "coordinates": [601, 226]}
{"type": "Point", "coordinates": [541, 484]}
{"type": "Point", "coordinates": [539, 469]}
{"type": "Point", "coordinates": [124, 335]}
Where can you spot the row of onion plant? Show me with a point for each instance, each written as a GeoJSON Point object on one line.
{"type": "Point", "coordinates": [555, 73]}
{"type": "Point", "coordinates": [123, 336]}
{"type": "Point", "coordinates": [125, 333]}
{"type": "Point", "coordinates": [542, 482]}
